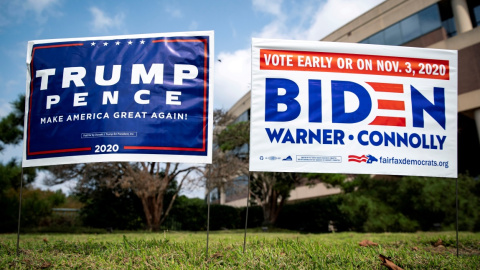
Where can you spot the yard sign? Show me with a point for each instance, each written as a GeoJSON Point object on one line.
{"type": "Point", "coordinates": [353, 108]}
{"type": "Point", "coordinates": [119, 98]}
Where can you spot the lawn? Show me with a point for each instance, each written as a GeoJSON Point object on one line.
{"type": "Point", "coordinates": [272, 250]}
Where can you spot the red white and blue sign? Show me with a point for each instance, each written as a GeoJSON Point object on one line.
{"type": "Point", "coordinates": [353, 108]}
{"type": "Point", "coordinates": [119, 98]}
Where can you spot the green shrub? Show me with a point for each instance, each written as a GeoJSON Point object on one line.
{"type": "Point", "coordinates": [312, 215]}
{"type": "Point", "coordinates": [187, 214]}
{"type": "Point", "coordinates": [103, 209]}
{"type": "Point", "coordinates": [255, 216]}
{"type": "Point", "coordinates": [395, 205]}
{"type": "Point", "coordinates": [412, 203]}
{"type": "Point", "coordinates": [368, 214]}
{"type": "Point", "coordinates": [36, 207]}
{"type": "Point", "coordinates": [224, 217]}
{"type": "Point", "coordinates": [190, 214]}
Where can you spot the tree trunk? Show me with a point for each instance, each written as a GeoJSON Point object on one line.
{"type": "Point", "coordinates": [276, 211]}
{"type": "Point", "coordinates": [268, 208]}
{"type": "Point", "coordinates": [271, 208]}
{"type": "Point", "coordinates": [150, 184]}
{"type": "Point", "coordinates": [158, 211]}
{"type": "Point", "coordinates": [146, 211]}
{"type": "Point", "coordinates": [153, 209]}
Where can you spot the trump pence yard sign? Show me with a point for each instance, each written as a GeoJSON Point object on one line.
{"type": "Point", "coordinates": [119, 98]}
{"type": "Point", "coordinates": [353, 108]}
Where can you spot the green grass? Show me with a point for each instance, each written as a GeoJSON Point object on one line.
{"type": "Point", "coordinates": [273, 250]}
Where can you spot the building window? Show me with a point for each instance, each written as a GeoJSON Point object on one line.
{"type": "Point", "coordinates": [245, 116]}
{"type": "Point", "coordinates": [238, 186]}
{"type": "Point", "coordinates": [409, 27]}
{"type": "Point", "coordinates": [429, 19]}
{"type": "Point", "coordinates": [412, 27]}
{"type": "Point", "coordinates": [476, 13]}
{"type": "Point", "coordinates": [449, 26]}
{"type": "Point", "coordinates": [392, 35]}
{"type": "Point", "coordinates": [214, 195]}
{"type": "Point", "coordinates": [241, 152]}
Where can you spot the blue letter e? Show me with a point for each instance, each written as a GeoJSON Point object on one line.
{"type": "Point", "coordinates": [272, 99]}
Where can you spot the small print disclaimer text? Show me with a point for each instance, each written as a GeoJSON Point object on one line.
{"type": "Point", "coordinates": [324, 159]}
{"type": "Point", "coordinates": [108, 134]}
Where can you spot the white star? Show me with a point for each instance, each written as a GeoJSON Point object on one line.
{"type": "Point", "coordinates": [105, 43]}
{"type": "Point", "coordinates": [117, 43]}
{"type": "Point", "coordinates": [130, 42]}
{"type": "Point", "coordinates": [93, 43]}
{"type": "Point", "coordinates": [142, 42]}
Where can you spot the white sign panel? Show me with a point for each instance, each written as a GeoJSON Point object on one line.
{"type": "Point", "coordinates": [353, 108]}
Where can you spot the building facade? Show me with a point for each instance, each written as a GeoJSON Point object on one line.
{"type": "Point", "coordinates": [438, 24]}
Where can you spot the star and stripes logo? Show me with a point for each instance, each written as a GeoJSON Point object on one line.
{"type": "Point", "coordinates": [363, 158]}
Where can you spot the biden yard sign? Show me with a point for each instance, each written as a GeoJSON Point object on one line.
{"type": "Point", "coordinates": [119, 98]}
{"type": "Point", "coordinates": [353, 108]}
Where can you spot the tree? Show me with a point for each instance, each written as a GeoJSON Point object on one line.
{"type": "Point", "coordinates": [269, 189]}
{"type": "Point", "coordinates": [11, 126]}
{"type": "Point", "coordinates": [235, 136]}
{"type": "Point", "coordinates": [11, 132]}
{"type": "Point", "coordinates": [102, 208]}
{"type": "Point", "coordinates": [10, 174]}
{"type": "Point", "coordinates": [149, 181]}
{"type": "Point", "coordinates": [225, 169]}
{"type": "Point", "coordinates": [226, 166]}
